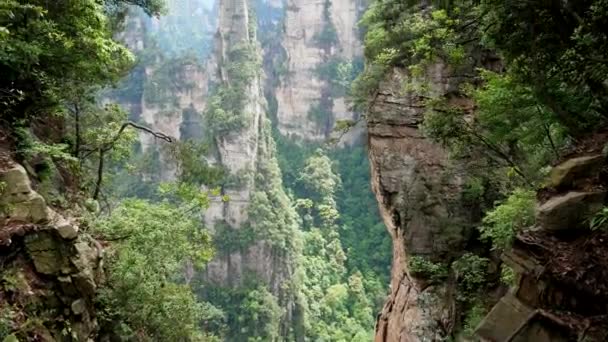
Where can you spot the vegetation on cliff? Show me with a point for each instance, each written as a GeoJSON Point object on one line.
{"type": "Point", "coordinates": [54, 58]}
{"type": "Point", "coordinates": [527, 80]}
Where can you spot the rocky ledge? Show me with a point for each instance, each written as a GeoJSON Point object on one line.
{"type": "Point", "coordinates": [48, 271]}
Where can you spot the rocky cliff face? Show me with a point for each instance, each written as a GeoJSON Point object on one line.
{"type": "Point", "coordinates": [559, 262]}
{"type": "Point", "coordinates": [247, 152]}
{"type": "Point", "coordinates": [48, 272]}
{"type": "Point", "coordinates": [316, 33]}
{"type": "Point", "coordinates": [418, 190]}
{"type": "Point", "coordinates": [175, 99]}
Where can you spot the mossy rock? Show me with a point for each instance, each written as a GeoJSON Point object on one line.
{"type": "Point", "coordinates": [568, 172]}
{"type": "Point", "coordinates": [49, 253]}
{"type": "Point", "coordinates": [569, 211]}
{"type": "Point", "coordinates": [18, 200]}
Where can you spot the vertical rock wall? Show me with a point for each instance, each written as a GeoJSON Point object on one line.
{"type": "Point", "coordinates": [418, 190]}
{"type": "Point", "coordinates": [175, 103]}
{"type": "Point", "coordinates": [301, 87]}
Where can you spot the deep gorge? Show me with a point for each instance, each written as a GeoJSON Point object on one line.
{"type": "Point", "coordinates": [328, 170]}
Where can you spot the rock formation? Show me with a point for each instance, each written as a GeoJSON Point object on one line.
{"type": "Point", "coordinates": [418, 190]}
{"type": "Point", "coordinates": [49, 273]}
{"type": "Point", "coordinates": [316, 32]}
{"type": "Point", "coordinates": [560, 292]}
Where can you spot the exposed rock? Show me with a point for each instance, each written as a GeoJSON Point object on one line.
{"type": "Point", "coordinates": [65, 228]}
{"type": "Point", "coordinates": [48, 252]}
{"type": "Point", "coordinates": [68, 231]}
{"type": "Point", "coordinates": [19, 201]}
{"type": "Point", "coordinates": [78, 306]}
{"type": "Point", "coordinates": [561, 291]}
{"type": "Point", "coordinates": [507, 317]}
{"type": "Point", "coordinates": [302, 87]}
{"type": "Point", "coordinates": [569, 211]}
{"type": "Point", "coordinates": [419, 195]}
{"type": "Point", "coordinates": [565, 173]}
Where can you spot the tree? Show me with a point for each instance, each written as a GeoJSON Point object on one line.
{"type": "Point", "coordinates": [47, 48]}
{"type": "Point", "coordinates": [559, 48]}
{"type": "Point", "coordinates": [145, 294]}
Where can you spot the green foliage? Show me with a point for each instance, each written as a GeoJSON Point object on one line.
{"type": "Point", "coordinates": [152, 243]}
{"type": "Point", "coordinates": [473, 317]}
{"type": "Point", "coordinates": [252, 313]}
{"type": "Point", "coordinates": [192, 166]}
{"type": "Point", "coordinates": [505, 130]}
{"type": "Point", "coordinates": [229, 240]}
{"type": "Point", "coordinates": [399, 34]}
{"type": "Point", "coordinates": [599, 220]}
{"type": "Point", "coordinates": [471, 272]}
{"type": "Point", "coordinates": [336, 301]}
{"type": "Point", "coordinates": [318, 176]}
{"type": "Point", "coordinates": [559, 49]}
{"type": "Point", "coordinates": [48, 50]}
{"type": "Point", "coordinates": [422, 267]}
{"type": "Point", "coordinates": [363, 233]}
{"type": "Point", "coordinates": [260, 316]}
{"type": "Point", "coordinates": [339, 73]}
{"type": "Point", "coordinates": [7, 317]}
{"type": "Point", "coordinates": [508, 217]}
{"type": "Point", "coordinates": [507, 275]}
{"type": "Point", "coordinates": [28, 147]}
{"type": "Point", "coordinates": [474, 190]}
{"type": "Point", "coordinates": [225, 106]}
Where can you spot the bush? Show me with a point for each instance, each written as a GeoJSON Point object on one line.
{"type": "Point", "coordinates": [510, 216]}
{"type": "Point", "coordinates": [471, 271]}
{"type": "Point", "coordinates": [142, 294]}
{"type": "Point", "coordinates": [422, 267]}
{"type": "Point", "coordinates": [599, 220]}
{"type": "Point", "coordinates": [472, 319]}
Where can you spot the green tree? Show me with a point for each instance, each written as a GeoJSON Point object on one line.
{"type": "Point", "coordinates": [48, 48]}
{"type": "Point", "coordinates": [145, 297]}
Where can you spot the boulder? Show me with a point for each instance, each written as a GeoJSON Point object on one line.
{"type": "Point", "coordinates": [19, 201]}
{"type": "Point", "coordinates": [569, 211]}
{"type": "Point", "coordinates": [48, 253]}
{"type": "Point", "coordinates": [566, 173]}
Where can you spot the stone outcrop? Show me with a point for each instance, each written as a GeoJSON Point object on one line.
{"type": "Point", "coordinates": [19, 202]}
{"type": "Point", "coordinates": [419, 196]}
{"type": "Point", "coordinates": [564, 174]}
{"type": "Point", "coordinates": [48, 272]}
{"type": "Point", "coordinates": [560, 292]}
{"type": "Point", "coordinates": [569, 211]}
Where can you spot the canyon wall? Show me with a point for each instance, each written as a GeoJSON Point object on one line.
{"type": "Point", "coordinates": [419, 192]}
{"type": "Point", "coordinates": [316, 33]}
{"type": "Point", "coordinates": [172, 94]}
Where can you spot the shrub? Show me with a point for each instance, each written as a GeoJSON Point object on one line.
{"type": "Point", "coordinates": [471, 272]}
{"type": "Point", "coordinates": [422, 267]}
{"type": "Point", "coordinates": [510, 216]}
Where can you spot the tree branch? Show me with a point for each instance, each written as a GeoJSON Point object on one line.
{"type": "Point", "coordinates": [110, 145]}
